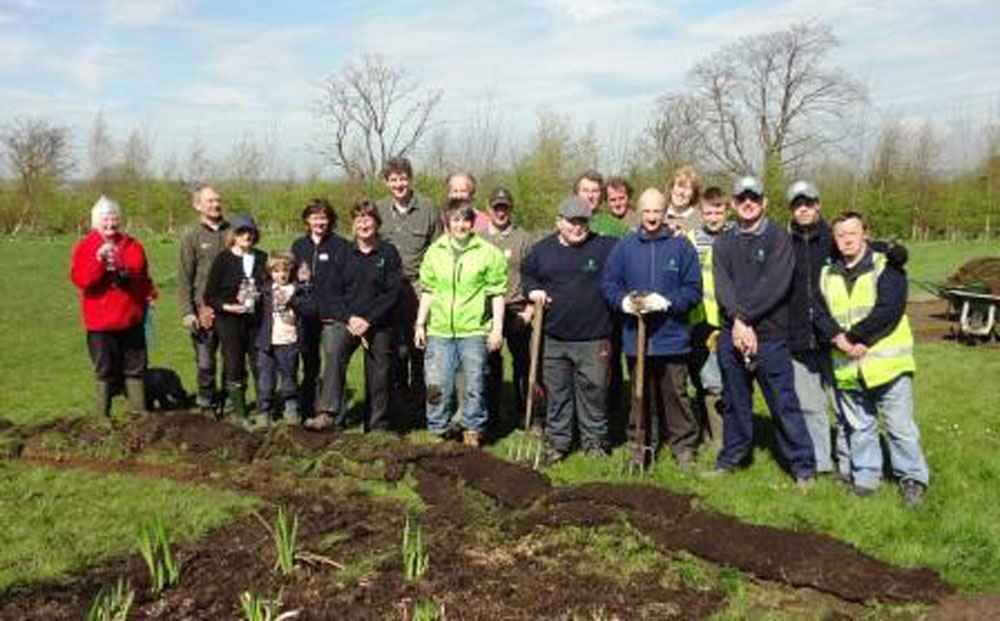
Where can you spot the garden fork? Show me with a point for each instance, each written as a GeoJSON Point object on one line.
{"type": "Point", "coordinates": [529, 447]}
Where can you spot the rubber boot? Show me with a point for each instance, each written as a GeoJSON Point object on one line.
{"type": "Point", "coordinates": [102, 399]}
{"type": "Point", "coordinates": [238, 400]}
{"type": "Point", "coordinates": [135, 392]}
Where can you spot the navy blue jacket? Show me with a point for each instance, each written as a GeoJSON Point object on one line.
{"type": "Point", "coordinates": [571, 275]}
{"type": "Point", "coordinates": [753, 277]}
{"type": "Point", "coordinates": [321, 259]}
{"type": "Point", "coordinates": [812, 248]}
{"type": "Point", "coordinates": [666, 264]}
{"type": "Point", "coordinates": [265, 322]}
{"type": "Point", "coordinates": [369, 284]}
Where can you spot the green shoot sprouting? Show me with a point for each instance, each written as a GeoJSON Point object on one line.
{"type": "Point", "coordinates": [260, 609]}
{"type": "Point", "coordinates": [415, 556]}
{"type": "Point", "coordinates": [154, 545]}
{"type": "Point", "coordinates": [112, 603]}
{"type": "Point", "coordinates": [285, 542]}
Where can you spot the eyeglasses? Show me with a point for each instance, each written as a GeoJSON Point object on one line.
{"type": "Point", "coordinates": [747, 196]}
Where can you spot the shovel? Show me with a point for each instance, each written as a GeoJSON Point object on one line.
{"type": "Point", "coordinates": [642, 453]}
{"type": "Point", "coordinates": [529, 447]}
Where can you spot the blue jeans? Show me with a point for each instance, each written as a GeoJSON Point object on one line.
{"type": "Point", "coordinates": [814, 387]}
{"type": "Point", "coordinates": [859, 409]}
{"type": "Point", "coordinates": [276, 366]}
{"type": "Point", "coordinates": [774, 374]}
{"type": "Point", "coordinates": [442, 361]}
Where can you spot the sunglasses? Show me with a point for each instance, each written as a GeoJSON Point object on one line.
{"type": "Point", "coordinates": [748, 196]}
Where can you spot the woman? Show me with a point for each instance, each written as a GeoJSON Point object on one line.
{"type": "Point", "coordinates": [463, 280]}
{"type": "Point", "coordinates": [111, 272]}
{"type": "Point", "coordinates": [233, 290]}
{"type": "Point", "coordinates": [365, 292]}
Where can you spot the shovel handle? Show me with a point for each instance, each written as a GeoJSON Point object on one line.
{"type": "Point", "coordinates": [537, 324]}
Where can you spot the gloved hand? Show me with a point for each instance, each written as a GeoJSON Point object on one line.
{"type": "Point", "coordinates": [628, 305]}
{"type": "Point", "coordinates": [191, 323]}
{"type": "Point", "coordinates": [655, 303]}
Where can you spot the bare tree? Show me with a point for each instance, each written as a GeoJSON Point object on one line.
{"type": "Point", "coordinates": [100, 152]}
{"type": "Point", "coordinates": [38, 154]}
{"type": "Point", "coordinates": [374, 111]}
{"type": "Point", "coordinates": [135, 156]}
{"type": "Point", "coordinates": [766, 102]}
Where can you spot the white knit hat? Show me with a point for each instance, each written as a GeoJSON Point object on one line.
{"type": "Point", "coordinates": [103, 207]}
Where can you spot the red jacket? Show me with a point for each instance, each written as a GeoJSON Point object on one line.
{"type": "Point", "coordinates": [111, 299]}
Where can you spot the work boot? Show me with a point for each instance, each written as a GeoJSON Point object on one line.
{"type": "Point", "coordinates": [102, 403]}
{"type": "Point", "coordinates": [135, 393]}
{"type": "Point", "coordinates": [238, 400]}
{"type": "Point", "coordinates": [471, 438]}
{"type": "Point", "coordinates": [912, 492]}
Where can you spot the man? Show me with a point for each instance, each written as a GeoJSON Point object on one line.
{"type": "Point", "coordinates": [704, 318]}
{"type": "Point", "coordinates": [563, 271]}
{"type": "Point", "coordinates": [410, 223]}
{"type": "Point", "coordinates": [656, 273]}
{"type": "Point", "coordinates": [514, 242]}
{"type": "Point", "coordinates": [315, 255]}
{"type": "Point", "coordinates": [199, 246]}
{"type": "Point", "coordinates": [462, 282]}
{"type": "Point", "coordinates": [752, 267]}
{"type": "Point", "coordinates": [814, 246]}
{"type": "Point", "coordinates": [589, 188]}
{"type": "Point", "coordinates": [462, 186]}
{"type": "Point", "coordinates": [618, 220]}
{"type": "Point", "coordinates": [873, 365]}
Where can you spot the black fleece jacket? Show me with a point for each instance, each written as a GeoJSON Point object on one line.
{"type": "Point", "coordinates": [753, 277]}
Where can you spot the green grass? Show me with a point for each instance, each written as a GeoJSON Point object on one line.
{"type": "Point", "coordinates": [57, 520]}
{"type": "Point", "coordinates": [937, 260]}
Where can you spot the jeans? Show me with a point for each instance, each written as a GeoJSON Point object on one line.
{"type": "Point", "coordinates": [576, 378]}
{"type": "Point", "coordinates": [277, 367]}
{"type": "Point", "coordinates": [442, 361]}
{"type": "Point", "coordinates": [773, 372]}
{"type": "Point", "coordinates": [814, 386]}
{"type": "Point", "coordinates": [860, 409]}
{"type": "Point", "coordinates": [206, 346]}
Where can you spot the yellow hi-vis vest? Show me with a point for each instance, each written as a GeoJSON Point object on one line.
{"type": "Point", "coordinates": [887, 359]}
{"type": "Point", "coordinates": [708, 310]}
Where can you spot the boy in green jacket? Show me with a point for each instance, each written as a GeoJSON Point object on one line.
{"type": "Point", "coordinates": [463, 280]}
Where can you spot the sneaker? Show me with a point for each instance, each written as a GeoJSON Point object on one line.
{"type": "Point", "coordinates": [471, 438]}
{"type": "Point", "coordinates": [320, 422]}
{"type": "Point", "coordinates": [861, 491]}
{"type": "Point", "coordinates": [595, 451]}
{"type": "Point", "coordinates": [912, 492]}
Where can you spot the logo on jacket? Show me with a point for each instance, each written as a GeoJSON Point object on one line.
{"type": "Point", "coordinates": [758, 255]}
{"type": "Point", "coordinates": [590, 265]}
{"type": "Point", "coordinates": [672, 265]}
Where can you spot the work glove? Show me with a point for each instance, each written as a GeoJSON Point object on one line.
{"type": "Point", "coordinates": [190, 322]}
{"type": "Point", "coordinates": [629, 306]}
{"type": "Point", "coordinates": [655, 303]}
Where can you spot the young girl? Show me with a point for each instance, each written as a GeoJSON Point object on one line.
{"type": "Point", "coordinates": [683, 194]}
{"type": "Point", "coordinates": [278, 341]}
{"type": "Point", "coordinates": [233, 291]}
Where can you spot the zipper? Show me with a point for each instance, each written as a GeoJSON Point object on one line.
{"type": "Point", "coordinates": [456, 274]}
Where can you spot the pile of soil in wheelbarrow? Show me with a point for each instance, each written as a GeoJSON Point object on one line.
{"type": "Point", "coordinates": [984, 271]}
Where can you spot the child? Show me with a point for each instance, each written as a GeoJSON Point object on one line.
{"type": "Point", "coordinates": [278, 341]}
{"type": "Point", "coordinates": [233, 291]}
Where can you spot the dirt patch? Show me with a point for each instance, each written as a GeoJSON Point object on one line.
{"type": "Point", "coordinates": [477, 508]}
{"type": "Point", "coordinates": [967, 608]}
{"type": "Point", "coordinates": [978, 273]}
{"type": "Point", "coordinates": [930, 321]}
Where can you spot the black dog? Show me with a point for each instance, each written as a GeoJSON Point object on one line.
{"type": "Point", "coordinates": [164, 390]}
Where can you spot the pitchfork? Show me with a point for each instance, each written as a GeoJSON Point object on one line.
{"type": "Point", "coordinates": [642, 453]}
{"type": "Point", "coordinates": [529, 447]}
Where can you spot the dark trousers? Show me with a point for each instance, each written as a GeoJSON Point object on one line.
{"type": "Point", "coordinates": [117, 354]}
{"type": "Point", "coordinates": [309, 347]}
{"type": "Point", "coordinates": [773, 372]}
{"type": "Point", "coordinates": [277, 371]}
{"type": "Point", "coordinates": [618, 411]}
{"type": "Point", "coordinates": [206, 346]}
{"type": "Point", "coordinates": [668, 414]}
{"type": "Point", "coordinates": [236, 339]}
{"type": "Point", "coordinates": [340, 345]}
{"type": "Point", "coordinates": [407, 372]}
{"type": "Point", "coordinates": [576, 378]}
{"type": "Point", "coordinates": [518, 338]}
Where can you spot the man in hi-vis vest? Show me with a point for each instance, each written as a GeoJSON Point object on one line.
{"type": "Point", "coordinates": [873, 363]}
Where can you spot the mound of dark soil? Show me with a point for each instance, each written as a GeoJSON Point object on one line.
{"type": "Point", "coordinates": [983, 271]}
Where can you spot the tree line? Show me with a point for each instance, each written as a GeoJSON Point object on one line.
{"type": "Point", "coordinates": [770, 105]}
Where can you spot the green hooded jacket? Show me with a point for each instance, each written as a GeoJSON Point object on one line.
{"type": "Point", "coordinates": [462, 282]}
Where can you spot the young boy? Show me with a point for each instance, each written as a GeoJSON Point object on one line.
{"type": "Point", "coordinates": [278, 342]}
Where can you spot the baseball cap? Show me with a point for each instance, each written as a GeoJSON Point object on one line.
{"type": "Point", "coordinates": [802, 188]}
{"type": "Point", "coordinates": [501, 196]}
{"type": "Point", "coordinates": [748, 184]}
{"type": "Point", "coordinates": [573, 207]}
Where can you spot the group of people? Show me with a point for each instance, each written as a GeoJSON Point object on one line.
{"type": "Point", "coordinates": [815, 314]}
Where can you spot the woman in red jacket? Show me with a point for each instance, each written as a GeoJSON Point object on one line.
{"type": "Point", "coordinates": [110, 270]}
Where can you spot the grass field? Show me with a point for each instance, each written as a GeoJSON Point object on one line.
{"type": "Point", "coordinates": [45, 374]}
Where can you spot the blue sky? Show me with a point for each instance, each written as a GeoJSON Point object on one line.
{"type": "Point", "coordinates": [216, 70]}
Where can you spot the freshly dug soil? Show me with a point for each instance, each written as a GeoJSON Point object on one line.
{"type": "Point", "coordinates": [477, 509]}
{"type": "Point", "coordinates": [984, 271]}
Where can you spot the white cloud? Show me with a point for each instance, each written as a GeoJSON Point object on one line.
{"type": "Point", "coordinates": [15, 50]}
{"type": "Point", "coordinates": [89, 66]}
{"type": "Point", "coordinates": [137, 13]}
